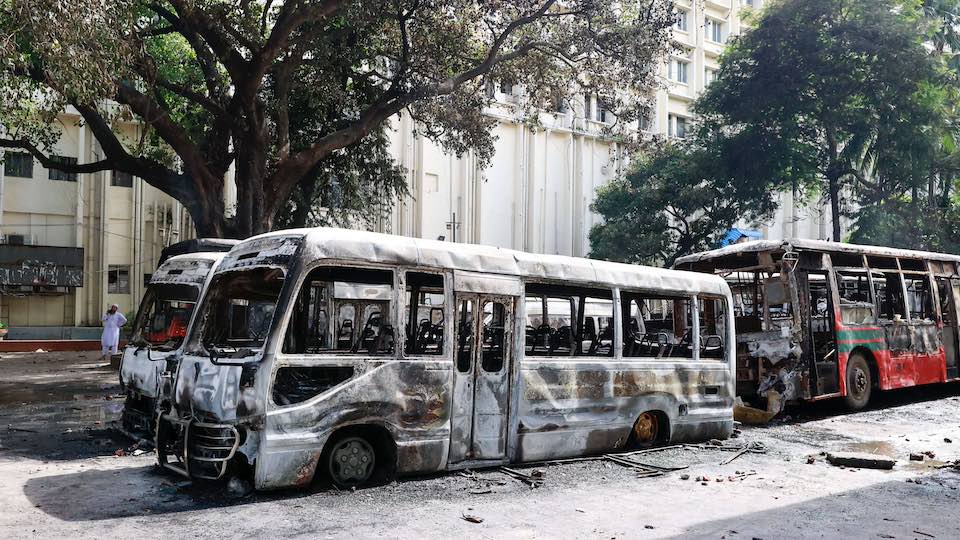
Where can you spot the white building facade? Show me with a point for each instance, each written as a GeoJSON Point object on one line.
{"type": "Point", "coordinates": [536, 192]}
{"type": "Point", "coordinates": [71, 244]}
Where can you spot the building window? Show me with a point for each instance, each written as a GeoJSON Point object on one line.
{"type": "Point", "coordinates": [677, 126]}
{"type": "Point", "coordinates": [60, 175]}
{"type": "Point", "coordinates": [678, 70]}
{"type": "Point", "coordinates": [588, 107]}
{"type": "Point", "coordinates": [603, 112]}
{"type": "Point", "coordinates": [709, 75]}
{"type": "Point", "coordinates": [18, 164]}
{"type": "Point", "coordinates": [681, 23]}
{"type": "Point", "coordinates": [748, 3]}
{"type": "Point", "coordinates": [121, 179]}
{"type": "Point", "coordinates": [715, 31]}
{"type": "Point", "coordinates": [645, 123]}
{"type": "Point", "coordinates": [118, 279]}
{"type": "Point", "coordinates": [506, 88]}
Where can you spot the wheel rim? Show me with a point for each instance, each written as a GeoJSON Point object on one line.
{"type": "Point", "coordinates": [646, 428]}
{"type": "Point", "coordinates": [858, 381]}
{"type": "Point", "coordinates": [352, 461]}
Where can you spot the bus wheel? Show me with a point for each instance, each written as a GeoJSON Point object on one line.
{"type": "Point", "coordinates": [351, 462]}
{"type": "Point", "coordinates": [646, 430]}
{"type": "Point", "coordinates": [859, 384]}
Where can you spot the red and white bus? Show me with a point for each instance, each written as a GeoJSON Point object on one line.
{"type": "Point", "coordinates": [818, 320]}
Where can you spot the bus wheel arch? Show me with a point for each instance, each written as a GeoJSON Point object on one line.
{"type": "Point", "coordinates": [861, 377]}
{"type": "Point", "coordinates": [651, 427]}
{"type": "Point", "coordinates": [350, 449]}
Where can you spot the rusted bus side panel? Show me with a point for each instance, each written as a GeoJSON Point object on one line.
{"type": "Point", "coordinates": [906, 353]}
{"type": "Point", "coordinates": [410, 398]}
{"type": "Point", "coordinates": [569, 408]}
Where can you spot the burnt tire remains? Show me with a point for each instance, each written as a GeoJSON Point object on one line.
{"type": "Point", "coordinates": [859, 382]}
{"type": "Point", "coordinates": [351, 461]}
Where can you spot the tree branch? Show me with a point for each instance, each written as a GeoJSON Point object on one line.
{"type": "Point", "coordinates": [53, 163]}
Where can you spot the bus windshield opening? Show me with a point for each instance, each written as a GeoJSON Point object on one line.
{"type": "Point", "coordinates": [165, 314]}
{"type": "Point", "coordinates": [239, 311]}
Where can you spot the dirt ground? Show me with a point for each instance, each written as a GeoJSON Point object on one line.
{"type": "Point", "coordinates": [60, 477]}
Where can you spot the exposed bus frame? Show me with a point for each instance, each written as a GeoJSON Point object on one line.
{"type": "Point", "coordinates": [780, 366]}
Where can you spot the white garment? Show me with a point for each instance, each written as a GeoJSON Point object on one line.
{"type": "Point", "coordinates": [110, 340]}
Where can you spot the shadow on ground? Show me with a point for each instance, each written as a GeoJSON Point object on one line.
{"type": "Point", "coordinates": [891, 509]}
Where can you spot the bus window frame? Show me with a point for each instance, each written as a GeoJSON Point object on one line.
{"type": "Point", "coordinates": [694, 324]}
{"type": "Point", "coordinates": [288, 304]}
{"type": "Point", "coordinates": [449, 308]}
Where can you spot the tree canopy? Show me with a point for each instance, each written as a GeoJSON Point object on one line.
{"type": "Point", "coordinates": [282, 92]}
{"type": "Point", "coordinates": [845, 87]}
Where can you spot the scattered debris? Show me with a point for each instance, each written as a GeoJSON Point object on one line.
{"type": "Point", "coordinates": [916, 457]}
{"type": "Point", "coordinates": [947, 440]}
{"type": "Point", "coordinates": [811, 460]}
{"type": "Point", "coordinates": [119, 453]}
{"type": "Point", "coordinates": [929, 454]}
{"type": "Point", "coordinates": [471, 518]}
{"type": "Point", "coordinates": [532, 480]}
{"type": "Point", "coordinates": [921, 533]}
{"type": "Point", "coordinates": [684, 476]}
{"type": "Point", "coordinates": [735, 456]}
{"type": "Point", "coordinates": [22, 430]}
{"type": "Point", "coordinates": [861, 460]}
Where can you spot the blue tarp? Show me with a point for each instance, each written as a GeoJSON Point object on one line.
{"type": "Point", "coordinates": [735, 235]}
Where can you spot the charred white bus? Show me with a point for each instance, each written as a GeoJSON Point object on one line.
{"type": "Point", "coordinates": [161, 324]}
{"type": "Point", "coordinates": [358, 355]}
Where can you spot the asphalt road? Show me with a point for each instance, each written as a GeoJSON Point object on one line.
{"type": "Point", "coordinates": [60, 477]}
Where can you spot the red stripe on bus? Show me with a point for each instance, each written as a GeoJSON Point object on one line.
{"type": "Point", "coordinates": [876, 340]}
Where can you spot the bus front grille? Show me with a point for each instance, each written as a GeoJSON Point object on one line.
{"type": "Point", "coordinates": [210, 447]}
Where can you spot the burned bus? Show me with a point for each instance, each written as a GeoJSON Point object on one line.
{"type": "Point", "coordinates": [357, 356]}
{"type": "Point", "coordinates": [161, 324]}
{"type": "Point", "coordinates": [818, 320]}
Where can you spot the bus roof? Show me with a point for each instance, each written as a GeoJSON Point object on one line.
{"type": "Point", "coordinates": [361, 246]}
{"type": "Point", "coordinates": [757, 246]}
{"type": "Point", "coordinates": [190, 268]}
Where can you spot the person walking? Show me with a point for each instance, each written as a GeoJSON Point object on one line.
{"type": "Point", "coordinates": [113, 320]}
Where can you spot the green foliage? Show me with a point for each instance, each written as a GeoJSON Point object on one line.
{"type": "Point", "coordinates": [845, 89]}
{"type": "Point", "coordinates": [679, 200]}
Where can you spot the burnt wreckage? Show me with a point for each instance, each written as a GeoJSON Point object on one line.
{"type": "Point", "coordinates": [357, 355]}
{"type": "Point", "coordinates": [817, 320]}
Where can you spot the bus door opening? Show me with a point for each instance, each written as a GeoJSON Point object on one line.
{"type": "Point", "coordinates": [820, 346]}
{"type": "Point", "coordinates": [948, 289]}
{"type": "Point", "coordinates": [482, 377]}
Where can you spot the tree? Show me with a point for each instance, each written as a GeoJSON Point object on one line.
{"type": "Point", "coordinates": [214, 82]}
{"type": "Point", "coordinates": [683, 198]}
{"type": "Point", "coordinates": [922, 212]}
{"type": "Point", "coordinates": [844, 87]}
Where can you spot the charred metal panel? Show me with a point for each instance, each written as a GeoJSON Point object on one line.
{"type": "Point", "coordinates": [411, 399]}
{"type": "Point", "coordinates": [570, 408]}
{"type": "Point", "coordinates": [48, 266]}
{"type": "Point", "coordinates": [185, 269]}
{"type": "Point", "coordinates": [296, 384]}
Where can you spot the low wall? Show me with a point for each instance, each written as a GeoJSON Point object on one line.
{"type": "Point", "coordinates": [31, 345]}
{"type": "Point", "coordinates": [55, 332]}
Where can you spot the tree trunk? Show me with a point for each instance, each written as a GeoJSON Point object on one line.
{"type": "Point", "coordinates": [834, 189]}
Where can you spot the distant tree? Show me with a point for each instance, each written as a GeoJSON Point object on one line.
{"type": "Point", "coordinates": [213, 83]}
{"type": "Point", "coordinates": [845, 88]}
{"type": "Point", "coordinates": [683, 198]}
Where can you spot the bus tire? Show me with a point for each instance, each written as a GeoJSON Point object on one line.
{"type": "Point", "coordinates": [351, 461]}
{"type": "Point", "coordinates": [648, 430]}
{"type": "Point", "coordinates": [859, 382]}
